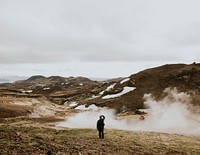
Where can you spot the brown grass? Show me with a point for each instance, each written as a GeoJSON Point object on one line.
{"type": "Point", "coordinates": [38, 140]}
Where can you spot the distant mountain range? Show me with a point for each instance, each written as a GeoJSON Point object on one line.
{"type": "Point", "coordinates": [120, 93]}
{"type": "Point", "coordinates": [9, 79]}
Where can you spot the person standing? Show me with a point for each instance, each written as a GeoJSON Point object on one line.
{"type": "Point", "coordinates": [100, 126]}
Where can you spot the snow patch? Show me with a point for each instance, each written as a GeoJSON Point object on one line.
{"type": "Point", "coordinates": [143, 110]}
{"type": "Point", "coordinates": [125, 80]}
{"type": "Point", "coordinates": [46, 88]}
{"type": "Point", "coordinates": [94, 96]}
{"type": "Point", "coordinates": [108, 88]}
{"type": "Point", "coordinates": [71, 104]}
{"type": "Point", "coordinates": [27, 91]}
{"type": "Point", "coordinates": [125, 90]}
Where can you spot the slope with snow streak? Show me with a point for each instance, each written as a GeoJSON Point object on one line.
{"type": "Point", "coordinates": [125, 90]}
{"type": "Point", "coordinates": [124, 80]}
{"type": "Point", "coordinates": [108, 88]}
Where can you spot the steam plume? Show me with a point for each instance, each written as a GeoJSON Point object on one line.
{"type": "Point", "coordinates": [171, 114]}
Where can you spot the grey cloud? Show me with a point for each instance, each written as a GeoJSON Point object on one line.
{"type": "Point", "coordinates": [188, 35]}
{"type": "Point", "coordinates": [75, 29]}
{"type": "Point", "coordinates": [63, 30]}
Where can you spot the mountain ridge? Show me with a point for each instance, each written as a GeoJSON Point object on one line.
{"type": "Point", "coordinates": [114, 93]}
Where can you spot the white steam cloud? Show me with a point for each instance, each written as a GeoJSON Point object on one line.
{"type": "Point", "coordinates": [172, 115]}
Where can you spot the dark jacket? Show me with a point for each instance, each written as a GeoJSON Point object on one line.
{"type": "Point", "coordinates": [100, 124]}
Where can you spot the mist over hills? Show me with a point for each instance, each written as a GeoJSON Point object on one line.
{"type": "Point", "coordinates": [121, 93]}
{"type": "Point", "coordinates": [9, 79]}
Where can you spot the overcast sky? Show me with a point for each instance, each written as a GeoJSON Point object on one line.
{"type": "Point", "coordinates": [96, 38]}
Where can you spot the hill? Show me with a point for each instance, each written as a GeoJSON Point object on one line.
{"type": "Point", "coordinates": [185, 78]}
{"type": "Point", "coordinates": [120, 93]}
{"type": "Point", "coordinates": [32, 109]}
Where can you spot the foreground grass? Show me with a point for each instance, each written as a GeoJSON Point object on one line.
{"type": "Point", "coordinates": [22, 140]}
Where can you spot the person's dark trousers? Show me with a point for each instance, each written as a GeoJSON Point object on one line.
{"type": "Point", "coordinates": [101, 134]}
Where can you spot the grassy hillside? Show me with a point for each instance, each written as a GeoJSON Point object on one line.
{"type": "Point", "coordinates": [34, 140]}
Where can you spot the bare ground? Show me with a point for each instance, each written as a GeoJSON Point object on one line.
{"type": "Point", "coordinates": [36, 137]}
{"type": "Point", "coordinates": [25, 135]}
